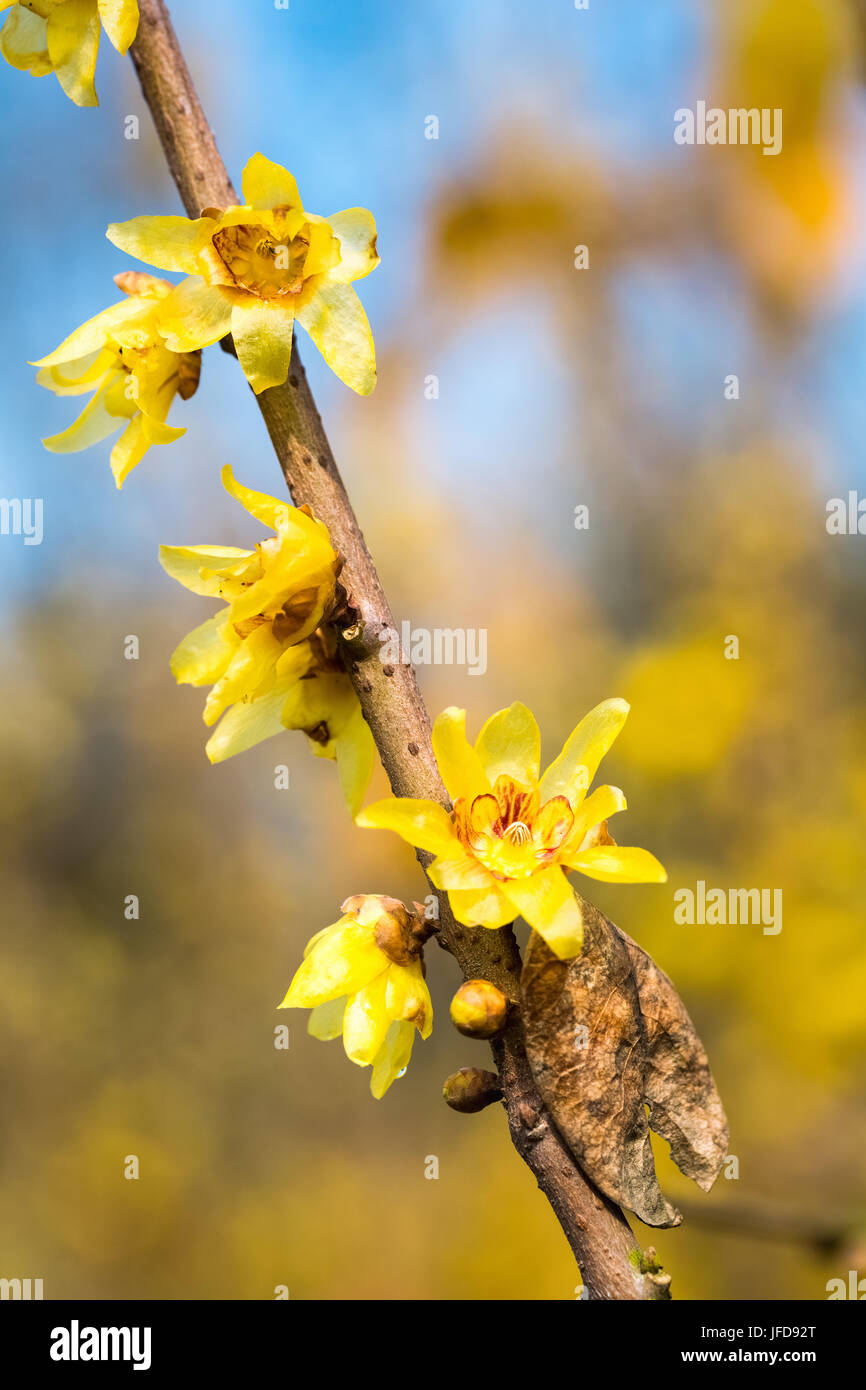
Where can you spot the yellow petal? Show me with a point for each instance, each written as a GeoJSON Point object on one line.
{"type": "Point", "coordinates": [425, 824]}
{"type": "Point", "coordinates": [270, 511]}
{"type": "Point", "coordinates": [24, 42]}
{"type": "Point", "coordinates": [335, 319]}
{"type": "Point", "coordinates": [93, 424]}
{"type": "Point", "coordinates": [262, 333]}
{"type": "Point", "coordinates": [246, 724]}
{"type": "Point", "coordinates": [571, 773]}
{"type": "Point", "coordinates": [202, 656]}
{"type": "Point", "coordinates": [510, 745]}
{"type": "Point", "coordinates": [345, 960]}
{"type": "Point", "coordinates": [356, 755]}
{"type": "Point", "coordinates": [549, 904]}
{"type": "Point", "coordinates": [392, 1059]}
{"type": "Point", "coordinates": [191, 565]}
{"type": "Point", "coordinates": [355, 229]}
{"type": "Point", "coordinates": [249, 674]}
{"type": "Point", "coordinates": [90, 336]}
{"type": "Point", "coordinates": [407, 997]}
{"type": "Point", "coordinates": [603, 803]}
{"type": "Point", "coordinates": [194, 315]}
{"type": "Point", "coordinates": [268, 185]}
{"type": "Point", "coordinates": [75, 378]}
{"type": "Point", "coordinates": [120, 21]}
{"type": "Point", "coordinates": [619, 864]}
{"type": "Point", "coordinates": [458, 762]}
{"type": "Point", "coordinates": [459, 870]}
{"type": "Point", "coordinates": [171, 243]}
{"type": "Point", "coordinates": [73, 43]}
{"type": "Point", "coordinates": [366, 1022]}
{"type": "Point", "coordinates": [130, 449]}
{"type": "Point", "coordinates": [485, 907]}
{"type": "Point", "coordinates": [326, 1020]}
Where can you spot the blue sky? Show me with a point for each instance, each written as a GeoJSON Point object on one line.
{"type": "Point", "coordinates": [338, 90]}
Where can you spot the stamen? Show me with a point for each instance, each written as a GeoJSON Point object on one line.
{"type": "Point", "coordinates": [518, 833]}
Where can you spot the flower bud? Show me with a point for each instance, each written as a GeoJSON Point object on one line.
{"type": "Point", "coordinates": [470, 1089]}
{"type": "Point", "coordinates": [478, 1009]}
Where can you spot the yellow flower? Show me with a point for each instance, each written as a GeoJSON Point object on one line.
{"type": "Point", "coordinates": [254, 270]}
{"type": "Point", "coordinates": [363, 977]}
{"type": "Point", "coordinates": [62, 36]}
{"type": "Point", "coordinates": [505, 849]}
{"type": "Point", "coordinates": [269, 666]}
{"type": "Point", "coordinates": [119, 356]}
{"type": "Point", "coordinates": [312, 693]}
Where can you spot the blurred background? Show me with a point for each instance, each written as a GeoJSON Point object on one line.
{"type": "Point", "coordinates": [557, 388]}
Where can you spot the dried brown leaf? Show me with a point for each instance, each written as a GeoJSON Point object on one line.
{"type": "Point", "coordinates": [607, 1036]}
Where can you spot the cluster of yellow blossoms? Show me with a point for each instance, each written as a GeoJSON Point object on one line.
{"type": "Point", "coordinates": [267, 653]}
{"type": "Point", "coordinates": [270, 653]}
{"type": "Point", "coordinates": [251, 273]}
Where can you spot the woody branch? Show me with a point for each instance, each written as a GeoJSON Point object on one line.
{"type": "Point", "coordinates": [597, 1231]}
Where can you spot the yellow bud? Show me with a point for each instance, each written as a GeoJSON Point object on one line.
{"type": "Point", "coordinates": [478, 1009]}
{"type": "Point", "coordinates": [470, 1089]}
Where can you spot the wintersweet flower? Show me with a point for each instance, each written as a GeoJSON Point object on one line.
{"type": "Point", "coordinates": [512, 837]}
{"type": "Point", "coordinates": [62, 36]}
{"type": "Point", "coordinates": [270, 664]}
{"type": "Point", "coordinates": [120, 358]}
{"type": "Point", "coordinates": [363, 978]}
{"type": "Point", "coordinates": [313, 694]}
{"type": "Point", "coordinates": [254, 270]}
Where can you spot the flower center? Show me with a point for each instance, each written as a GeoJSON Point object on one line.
{"type": "Point", "coordinates": [262, 264]}
{"type": "Point", "coordinates": [510, 832]}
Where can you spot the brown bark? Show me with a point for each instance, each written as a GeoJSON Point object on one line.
{"type": "Point", "coordinates": [597, 1231]}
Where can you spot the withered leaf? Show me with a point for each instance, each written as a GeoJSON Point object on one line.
{"type": "Point", "coordinates": [607, 1036]}
{"type": "Point", "coordinates": [685, 1106]}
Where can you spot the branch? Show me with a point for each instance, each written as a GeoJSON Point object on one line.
{"type": "Point", "coordinates": [597, 1231]}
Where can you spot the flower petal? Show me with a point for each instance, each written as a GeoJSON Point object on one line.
{"type": "Point", "coordinates": [343, 961]}
{"type": "Point", "coordinates": [425, 824]}
{"type": "Point", "coordinates": [572, 772]}
{"type": "Point", "coordinates": [185, 563]}
{"type": "Point", "coordinates": [270, 511]}
{"type": "Point", "coordinates": [89, 337]}
{"type": "Point", "coordinates": [194, 315]}
{"type": "Point", "coordinates": [248, 675]}
{"type": "Point", "coordinates": [392, 1059]}
{"type": "Point", "coordinates": [551, 907]}
{"type": "Point", "coordinates": [485, 907]}
{"type": "Point", "coordinates": [407, 997]}
{"type": "Point", "coordinates": [268, 185]}
{"type": "Point", "coordinates": [262, 333]}
{"type": "Point", "coordinates": [120, 21]}
{"type": "Point", "coordinates": [619, 864]}
{"type": "Point", "coordinates": [247, 723]}
{"type": "Point", "coordinates": [93, 424]}
{"type": "Point", "coordinates": [459, 764]}
{"type": "Point", "coordinates": [202, 656]}
{"type": "Point", "coordinates": [355, 229]}
{"type": "Point", "coordinates": [24, 42]}
{"type": "Point", "coordinates": [356, 755]}
{"type": "Point", "coordinates": [73, 43]}
{"type": "Point", "coordinates": [603, 803]}
{"type": "Point", "coordinates": [326, 1020]}
{"type": "Point", "coordinates": [459, 870]}
{"type": "Point", "coordinates": [510, 745]}
{"type": "Point", "coordinates": [170, 243]}
{"type": "Point", "coordinates": [335, 319]}
{"type": "Point", "coordinates": [366, 1022]}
